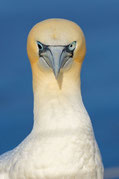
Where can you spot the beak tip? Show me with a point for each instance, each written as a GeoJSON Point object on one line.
{"type": "Point", "coordinates": [56, 73]}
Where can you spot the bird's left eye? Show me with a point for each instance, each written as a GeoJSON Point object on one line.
{"type": "Point", "coordinates": [72, 46]}
{"type": "Point", "coordinates": [40, 46]}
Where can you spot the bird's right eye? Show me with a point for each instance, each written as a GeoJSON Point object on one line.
{"type": "Point", "coordinates": [40, 46]}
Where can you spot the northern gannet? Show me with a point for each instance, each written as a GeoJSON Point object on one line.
{"type": "Point", "coordinates": [62, 143]}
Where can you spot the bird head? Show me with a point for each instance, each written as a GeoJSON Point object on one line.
{"type": "Point", "coordinates": [54, 45]}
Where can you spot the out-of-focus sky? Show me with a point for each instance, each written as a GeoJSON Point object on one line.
{"type": "Point", "coordinates": [100, 72]}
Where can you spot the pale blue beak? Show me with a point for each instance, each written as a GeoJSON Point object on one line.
{"type": "Point", "coordinates": [56, 57]}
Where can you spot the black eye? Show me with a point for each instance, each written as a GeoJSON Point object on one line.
{"type": "Point", "coordinates": [72, 46]}
{"type": "Point", "coordinates": [40, 46]}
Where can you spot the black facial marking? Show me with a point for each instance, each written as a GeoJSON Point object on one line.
{"type": "Point", "coordinates": [69, 51]}
{"type": "Point", "coordinates": [43, 48]}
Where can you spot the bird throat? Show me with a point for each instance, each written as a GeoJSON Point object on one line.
{"type": "Point", "coordinates": [55, 100]}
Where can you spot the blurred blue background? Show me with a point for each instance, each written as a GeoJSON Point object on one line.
{"type": "Point", "coordinates": [100, 72]}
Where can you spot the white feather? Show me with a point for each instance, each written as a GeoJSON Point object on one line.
{"type": "Point", "coordinates": [61, 144]}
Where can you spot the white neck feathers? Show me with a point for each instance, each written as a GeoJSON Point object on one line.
{"type": "Point", "coordinates": [57, 103]}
